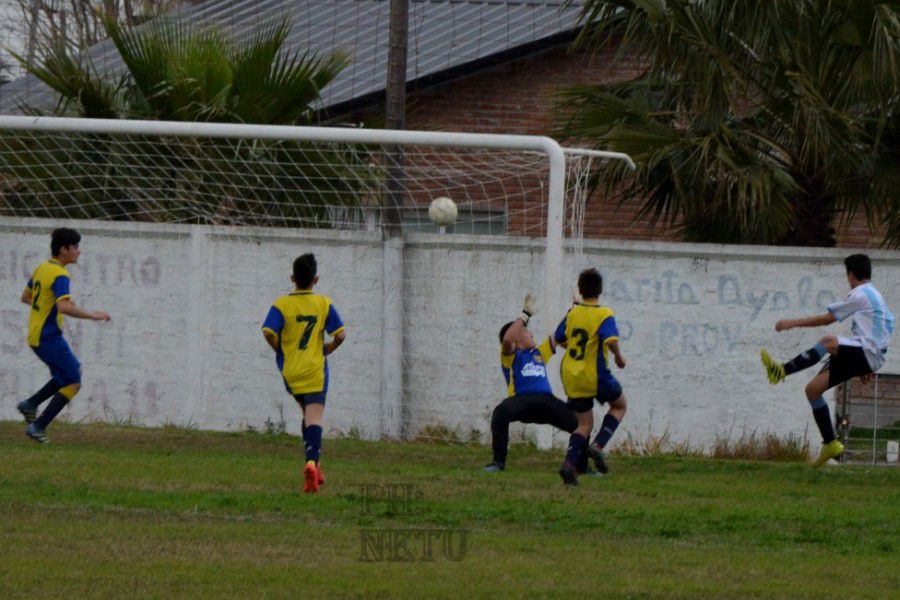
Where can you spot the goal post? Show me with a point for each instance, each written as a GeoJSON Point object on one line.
{"type": "Point", "coordinates": [213, 181]}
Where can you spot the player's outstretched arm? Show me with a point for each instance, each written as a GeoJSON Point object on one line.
{"type": "Point", "coordinates": [26, 296]}
{"type": "Point", "coordinates": [512, 334]}
{"type": "Point", "coordinates": [67, 307]}
{"type": "Point", "coordinates": [816, 321]}
{"type": "Point", "coordinates": [336, 341]}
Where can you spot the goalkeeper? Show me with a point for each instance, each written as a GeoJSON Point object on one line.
{"type": "Point", "coordinates": [531, 399]}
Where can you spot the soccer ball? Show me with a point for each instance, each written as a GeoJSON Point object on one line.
{"type": "Point", "coordinates": [442, 211]}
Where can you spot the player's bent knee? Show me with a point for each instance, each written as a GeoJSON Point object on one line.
{"type": "Point", "coordinates": [830, 342]}
{"type": "Point", "coordinates": [70, 390]}
{"type": "Point", "coordinates": [814, 390]}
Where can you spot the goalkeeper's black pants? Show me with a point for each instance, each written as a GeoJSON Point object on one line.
{"type": "Point", "coordinates": [528, 408]}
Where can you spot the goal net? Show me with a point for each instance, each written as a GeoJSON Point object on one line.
{"type": "Point", "coordinates": [189, 232]}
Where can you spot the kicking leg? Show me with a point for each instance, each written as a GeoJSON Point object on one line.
{"type": "Point", "coordinates": [778, 371]}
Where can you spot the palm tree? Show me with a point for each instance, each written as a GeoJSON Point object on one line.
{"type": "Point", "coordinates": [177, 72]}
{"type": "Point", "coordinates": [753, 122]}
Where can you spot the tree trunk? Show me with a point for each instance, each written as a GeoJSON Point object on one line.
{"type": "Point", "coordinates": [813, 216]}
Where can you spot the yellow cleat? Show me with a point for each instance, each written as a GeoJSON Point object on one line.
{"type": "Point", "coordinates": [774, 370]}
{"type": "Point", "coordinates": [832, 449]}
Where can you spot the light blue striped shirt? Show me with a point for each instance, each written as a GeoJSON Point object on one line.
{"type": "Point", "coordinates": [872, 324]}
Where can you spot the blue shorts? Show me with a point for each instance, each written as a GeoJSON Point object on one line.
{"type": "Point", "coordinates": [56, 354]}
{"type": "Point", "coordinates": [315, 398]}
{"type": "Point", "coordinates": [608, 390]}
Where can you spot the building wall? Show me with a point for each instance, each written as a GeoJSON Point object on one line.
{"type": "Point", "coordinates": [187, 302]}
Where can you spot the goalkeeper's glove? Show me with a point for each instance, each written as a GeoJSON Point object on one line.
{"type": "Point", "coordinates": [528, 309]}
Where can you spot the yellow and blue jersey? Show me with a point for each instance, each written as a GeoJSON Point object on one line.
{"type": "Point", "coordinates": [300, 320]}
{"type": "Point", "coordinates": [587, 330]}
{"type": "Point", "coordinates": [525, 371]}
{"type": "Point", "coordinates": [48, 284]}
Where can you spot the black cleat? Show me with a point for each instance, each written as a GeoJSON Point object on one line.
{"type": "Point", "coordinates": [28, 411]}
{"type": "Point", "coordinates": [568, 474]}
{"type": "Point", "coordinates": [599, 459]}
{"type": "Point", "coordinates": [36, 433]}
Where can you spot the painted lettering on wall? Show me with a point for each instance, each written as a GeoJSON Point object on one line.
{"type": "Point", "coordinates": [99, 269]}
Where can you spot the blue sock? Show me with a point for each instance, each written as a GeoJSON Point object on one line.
{"type": "Point", "coordinates": [577, 445]}
{"type": "Point", "coordinates": [582, 465]}
{"type": "Point", "coordinates": [50, 388]}
{"type": "Point", "coordinates": [610, 424]}
{"type": "Point", "coordinates": [805, 359]}
{"type": "Point", "coordinates": [823, 419]}
{"type": "Point", "coordinates": [313, 442]}
{"type": "Point", "coordinates": [303, 430]}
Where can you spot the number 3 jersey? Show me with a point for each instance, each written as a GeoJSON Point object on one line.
{"type": "Point", "coordinates": [300, 321]}
{"type": "Point", "coordinates": [586, 330]}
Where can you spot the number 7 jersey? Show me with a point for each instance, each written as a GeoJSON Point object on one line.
{"type": "Point", "coordinates": [586, 330]}
{"type": "Point", "coordinates": [300, 321]}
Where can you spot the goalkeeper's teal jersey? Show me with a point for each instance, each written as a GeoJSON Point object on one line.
{"type": "Point", "coordinates": [300, 321]}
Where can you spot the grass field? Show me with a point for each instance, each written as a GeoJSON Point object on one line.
{"type": "Point", "coordinates": [109, 511]}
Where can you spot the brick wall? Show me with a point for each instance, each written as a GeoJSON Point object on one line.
{"type": "Point", "coordinates": [858, 234]}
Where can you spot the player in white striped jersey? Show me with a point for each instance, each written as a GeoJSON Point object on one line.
{"type": "Point", "coordinates": [859, 355]}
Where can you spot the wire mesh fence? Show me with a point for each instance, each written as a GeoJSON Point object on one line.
{"type": "Point", "coordinates": [869, 420]}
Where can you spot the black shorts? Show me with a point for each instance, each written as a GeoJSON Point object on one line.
{"type": "Point", "coordinates": [314, 398]}
{"type": "Point", "coordinates": [608, 390]}
{"type": "Point", "coordinates": [544, 409]}
{"type": "Point", "coordinates": [849, 362]}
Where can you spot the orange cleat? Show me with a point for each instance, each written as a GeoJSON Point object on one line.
{"type": "Point", "coordinates": [321, 479]}
{"type": "Point", "coordinates": [311, 478]}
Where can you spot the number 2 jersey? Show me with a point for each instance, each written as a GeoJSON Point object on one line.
{"type": "Point", "coordinates": [586, 330]}
{"type": "Point", "coordinates": [300, 321]}
{"type": "Point", "coordinates": [48, 284]}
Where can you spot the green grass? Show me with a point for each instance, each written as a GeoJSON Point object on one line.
{"type": "Point", "coordinates": [118, 512]}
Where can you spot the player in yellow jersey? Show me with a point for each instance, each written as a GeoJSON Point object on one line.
{"type": "Point", "coordinates": [48, 296]}
{"type": "Point", "coordinates": [590, 335]}
{"type": "Point", "coordinates": [295, 328]}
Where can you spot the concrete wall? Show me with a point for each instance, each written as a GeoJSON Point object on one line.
{"type": "Point", "coordinates": [187, 302]}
